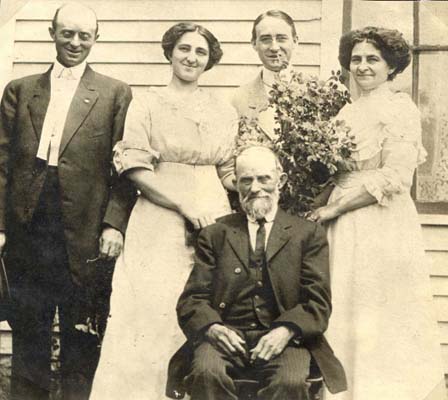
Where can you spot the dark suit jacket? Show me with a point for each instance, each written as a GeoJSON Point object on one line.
{"type": "Point", "coordinates": [91, 195]}
{"type": "Point", "coordinates": [297, 262]}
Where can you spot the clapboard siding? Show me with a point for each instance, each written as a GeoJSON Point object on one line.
{"type": "Point", "coordinates": [5, 340]}
{"type": "Point", "coordinates": [445, 356]}
{"type": "Point", "coordinates": [435, 235]}
{"type": "Point", "coordinates": [131, 31]}
{"type": "Point", "coordinates": [309, 31]}
{"type": "Point", "coordinates": [129, 49]}
{"type": "Point", "coordinates": [439, 262]}
{"type": "Point", "coordinates": [443, 327]}
{"type": "Point", "coordinates": [129, 45]}
{"type": "Point", "coordinates": [133, 52]}
{"type": "Point", "coordinates": [162, 10]}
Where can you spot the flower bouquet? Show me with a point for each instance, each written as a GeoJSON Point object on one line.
{"type": "Point", "coordinates": [309, 142]}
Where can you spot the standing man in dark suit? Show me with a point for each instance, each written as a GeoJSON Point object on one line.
{"type": "Point", "coordinates": [258, 298]}
{"type": "Point", "coordinates": [62, 212]}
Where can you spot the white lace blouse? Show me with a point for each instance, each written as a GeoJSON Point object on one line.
{"type": "Point", "coordinates": [387, 131]}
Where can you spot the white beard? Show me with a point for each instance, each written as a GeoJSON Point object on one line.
{"type": "Point", "coordinates": [258, 208]}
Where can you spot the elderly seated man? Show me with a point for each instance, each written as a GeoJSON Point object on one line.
{"type": "Point", "coordinates": [258, 298]}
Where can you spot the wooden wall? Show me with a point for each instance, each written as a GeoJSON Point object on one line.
{"type": "Point", "coordinates": [435, 233]}
{"type": "Point", "coordinates": [129, 49]}
{"type": "Point", "coordinates": [129, 44]}
{"type": "Point", "coordinates": [130, 33]}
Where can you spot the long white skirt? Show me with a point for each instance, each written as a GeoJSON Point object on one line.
{"type": "Point", "coordinates": [383, 327]}
{"type": "Point", "coordinates": [142, 332]}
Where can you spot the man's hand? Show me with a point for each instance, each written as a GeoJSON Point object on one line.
{"type": "Point", "coordinates": [2, 241]}
{"type": "Point", "coordinates": [111, 243]}
{"type": "Point", "coordinates": [226, 340]}
{"type": "Point", "coordinates": [272, 344]}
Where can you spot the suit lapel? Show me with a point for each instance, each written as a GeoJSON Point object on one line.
{"type": "Point", "coordinates": [259, 107]}
{"type": "Point", "coordinates": [39, 103]}
{"type": "Point", "coordinates": [280, 234]}
{"type": "Point", "coordinates": [83, 101]}
{"type": "Point", "coordinates": [257, 99]}
{"type": "Point", "coordinates": [239, 240]}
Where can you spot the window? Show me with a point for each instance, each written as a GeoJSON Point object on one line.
{"type": "Point", "coordinates": [430, 88]}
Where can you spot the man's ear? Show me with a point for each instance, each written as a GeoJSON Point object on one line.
{"type": "Point", "coordinates": [97, 37]}
{"type": "Point", "coordinates": [282, 180]}
{"type": "Point", "coordinates": [234, 181]}
{"type": "Point", "coordinates": [253, 43]}
{"type": "Point", "coordinates": [52, 32]}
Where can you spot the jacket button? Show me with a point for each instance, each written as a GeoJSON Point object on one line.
{"type": "Point", "coordinates": [222, 305]}
{"type": "Point", "coordinates": [253, 325]}
{"type": "Point", "coordinates": [237, 271]}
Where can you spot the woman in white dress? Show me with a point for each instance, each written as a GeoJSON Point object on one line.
{"type": "Point", "coordinates": [383, 328]}
{"type": "Point", "coordinates": [177, 148]}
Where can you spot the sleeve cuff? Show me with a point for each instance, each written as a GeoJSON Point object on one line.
{"type": "Point", "coordinates": [128, 156]}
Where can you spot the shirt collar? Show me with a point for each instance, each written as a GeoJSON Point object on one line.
{"type": "Point", "coordinates": [269, 217]}
{"type": "Point", "coordinates": [77, 71]}
{"type": "Point", "coordinates": [270, 77]}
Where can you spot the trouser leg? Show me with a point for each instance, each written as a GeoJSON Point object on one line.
{"type": "Point", "coordinates": [36, 255]}
{"type": "Point", "coordinates": [210, 377]}
{"type": "Point", "coordinates": [285, 376]}
{"type": "Point", "coordinates": [31, 363]}
{"type": "Point", "coordinates": [79, 357]}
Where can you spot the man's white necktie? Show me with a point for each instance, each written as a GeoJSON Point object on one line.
{"type": "Point", "coordinates": [67, 74]}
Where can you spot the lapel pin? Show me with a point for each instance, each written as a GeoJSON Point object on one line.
{"type": "Point", "coordinates": [87, 101]}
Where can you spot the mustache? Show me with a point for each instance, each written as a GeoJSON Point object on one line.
{"type": "Point", "coordinates": [259, 205]}
{"type": "Point", "coordinates": [281, 58]}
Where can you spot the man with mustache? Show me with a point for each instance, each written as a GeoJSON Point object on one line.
{"type": "Point", "coordinates": [258, 299]}
{"type": "Point", "coordinates": [274, 38]}
{"type": "Point", "coordinates": [63, 212]}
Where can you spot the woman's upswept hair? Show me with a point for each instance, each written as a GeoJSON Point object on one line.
{"type": "Point", "coordinates": [172, 35]}
{"type": "Point", "coordinates": [390, 42]}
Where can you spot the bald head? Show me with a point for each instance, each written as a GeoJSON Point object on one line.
{"type": "Point", "coordinates": [258, 157]}
{"type": "Point", "coordinates": [74, 31]}
{"type": "Point", "coordinates": [76, 10]}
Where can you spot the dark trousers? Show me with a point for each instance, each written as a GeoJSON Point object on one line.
{"type": "Point", "coordinates": [40, 282]}
{"type": "Point", "coordinates": [284, 377]}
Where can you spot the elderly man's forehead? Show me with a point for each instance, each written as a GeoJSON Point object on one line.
{"type": "Point", "coordinates": [256, 159]}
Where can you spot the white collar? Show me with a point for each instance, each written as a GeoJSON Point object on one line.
{"type": "Point", "coordinates": [269, 217]}
{"type": "Point", "coordinates": [270, 77]}
{"type": "Point", "coordinates": [381, 90]}
{"type": "Point", "coordinates": [77, 71]}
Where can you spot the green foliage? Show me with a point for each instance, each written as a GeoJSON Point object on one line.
{"type": "Point", "coordinates": [310, 143]}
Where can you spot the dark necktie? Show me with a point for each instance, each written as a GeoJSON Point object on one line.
{"type": "Point", "coordinates": [260, 238]}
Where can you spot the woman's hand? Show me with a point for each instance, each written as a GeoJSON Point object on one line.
{"type": "Point", "coordinates": [325, 213]}
{"type": "Point", "coordinates": [198, 221]}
